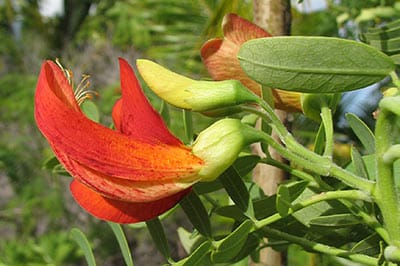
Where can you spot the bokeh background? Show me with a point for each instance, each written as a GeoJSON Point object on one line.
{"type": "Point", "coordinates": [36, 209]}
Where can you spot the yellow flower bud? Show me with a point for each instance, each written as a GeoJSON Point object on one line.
{"type": "Point", "coordinates": [190, 94]}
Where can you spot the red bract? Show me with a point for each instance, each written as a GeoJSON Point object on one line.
{"type": "Point", "coordinates": [127, 175]}
{"type": "Point", "coordinates": [220, 59]}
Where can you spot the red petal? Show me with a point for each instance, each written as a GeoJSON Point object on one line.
{"type": "Point", "coordinates": [138, 118]}
{"type": "Point", "coordinates": [99, 147]}
{"type": "Point", "coordinates": [121, 211]}
{"type": "Point", "coordinates": [122, 189]}
{"type": "Point", "coordinates": [117, 115]}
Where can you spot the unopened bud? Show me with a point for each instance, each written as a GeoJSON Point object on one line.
{"type": "Point", "coordinates": [311, 103]}
{"type": "Point", "coordinates": [190, 94]}
{"type": "Point", "coordinates": [220, 144]}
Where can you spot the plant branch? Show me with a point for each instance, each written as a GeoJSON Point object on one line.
{"type": "Point", "coordinates": [321, 248]}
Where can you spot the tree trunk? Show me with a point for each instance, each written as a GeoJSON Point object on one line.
{"type": "Point", "coordinates": [273, 16]}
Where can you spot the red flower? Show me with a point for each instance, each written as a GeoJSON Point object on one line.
{"type": "Point", "coordinates": [127, 175]}
{"type": "Point", "coordinates": [220, 59]}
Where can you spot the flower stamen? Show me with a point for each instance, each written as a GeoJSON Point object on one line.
{"type": "Point", "coordinates": [82, 91]}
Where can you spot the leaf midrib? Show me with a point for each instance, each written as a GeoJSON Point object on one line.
{"type": "Point", "coordinates": [328, 71]}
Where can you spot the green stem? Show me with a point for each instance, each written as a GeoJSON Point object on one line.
{"type": "Point", "coordinates": [317, 247]}
{"type": "Point", "coordinates": [368, 219]}
{"type": "Point", "coordinates": [330, 195]}
{"type": "Point", "coordinates": [326, 116]}
{"type": "Point", "coordinates": [395, 79]}
{"type": "Point", "coordinates": [321, 165]}
{"type": "Point", "coordinates": [385, 193]}
{"type": "Point", "coordinates": [295, 172]}
{"type": "Point", "coordinates": [188, 125]}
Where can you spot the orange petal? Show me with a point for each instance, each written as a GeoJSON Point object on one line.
{"type": "Point", "coordinates": [99, 147]}
{"type": "Point", "coordinates": [239, 30]}
{"type": "Point", "coordinates": [122, 189]}
{"type": "Point", "coordinates": [121, 211]}
{"type": "Point", "coordinates": [220, 59]}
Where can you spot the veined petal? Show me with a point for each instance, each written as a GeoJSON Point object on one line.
{"type": "Point", "coordinates": [139, 120]}
{"type": "Point", "coordinates": [121, 211]}
{"type": "Point", "coordinates": [100, 148]}
{"type": "Point", "coordinates": [220, 59]}
{"type": "Point", "coordinates": [239, 30]}
{"type": "Point", "coordinates": [123, 189]}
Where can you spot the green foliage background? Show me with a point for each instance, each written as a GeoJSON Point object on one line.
{"type": "Point", "coordinates": [36, 210]}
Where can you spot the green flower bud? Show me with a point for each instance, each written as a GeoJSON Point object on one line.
{"type": "Point", "coordinates": [192, 94]}
{"type": "Point", "coordinates": [220, 144]}
{"type": "Point", "coordinates": [390, 104]}
{"type": "Point", "coordinates": [311, 103]}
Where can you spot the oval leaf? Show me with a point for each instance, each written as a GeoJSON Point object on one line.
{"type": "Point", "coordinates": [335, 220]}
{"type": "Point", "coordinates": [362, 131]}
{"type": "Point", "coordinates": [229, 247]}
{"type": "Point", "coordinates": [313, 64]}
{"type": "Point", "coordinates": [157, 234]}
{"type": "Point", "coordinates": [234, 185]}
{"type": "Point", "coordinates": [197, 213]}
{"type": "Point", "coordinates": [196, 258]}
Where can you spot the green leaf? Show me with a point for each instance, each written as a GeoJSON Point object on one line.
{"type": "Point", "coordinates": [232, 211]}
{"type": "Point", "coordinates": [84, 244]}
{"type": "Point", "coordinates": [264, 207]}
{"type": "Point", "coordinates": [368, 246]}
{"type": "Point", "coordinates": [369, 162]}
{"type": "Point", "coordinates": [188, 125]}
{"type": "Point", "coordinates": [228, 248]}
{"type": "Point", "coordinates": [319, 143]}
{"type": "Point", "coordinates": [396, 59]}
{"type": "Point", "coordinates": [251, 244]}
{"type": "Point", "coordinates": [157, 234]}
{"type": "Point", "coordinates": [164, 112]}
{"type": "Point", "coordinates": [313, 64]}
{"type": "Point", "coordinates": [234, 185]}
{"type": "Point", "coordinates": [197, 257]}
{"type": "Point", "coordinates": [207, 187]}
{"type": "Point", "coordinates": [335, 220]}
{"type": "Point", "coordinates": [283, 202]}
{"type": "Point", "coordinates": [245, 164]}
{"type": "Point", "coordinates": [197, 214]}
{"type": "Point", "coordinates": [362, 131]}
{"type": "Point", "coordinates": [91, 111]}
{"type": "Point", "coordinates": [305, 215]}
{"type": "Point", "coordinates": [358, 162]}
{"type": "Point", "coordinates": [50, 163]}
{"type": "Point", "coordinates": [123, 244]}
{"type": "Point", "coordinates": [190, 241]}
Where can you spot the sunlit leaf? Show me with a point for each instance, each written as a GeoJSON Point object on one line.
{"type": "Point", "coordinates": [123, 244]}
{"type": "Point", "coordinates": [362, 131]}
{"type": "Point", "coordinates": [84, 244]}
{"type": "Point", "coordinates": [313, 64]}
